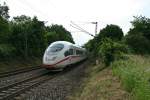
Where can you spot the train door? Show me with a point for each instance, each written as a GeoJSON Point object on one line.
{"type": "Point", "coordinates": [69, 54]}
{"type": "Point", "coordinates": [71, 57]}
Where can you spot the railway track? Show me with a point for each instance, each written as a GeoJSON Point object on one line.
{"type": "Point", "coordinates": [10, 91]}
{"type": "Point", "coordinates": [9, 73]}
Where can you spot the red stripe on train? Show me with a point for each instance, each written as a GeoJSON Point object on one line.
{"type": "Point", "coordinates": [52, 65]}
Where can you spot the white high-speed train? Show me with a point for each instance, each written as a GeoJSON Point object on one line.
{"type": "Point", "coordinates": [61, 53]}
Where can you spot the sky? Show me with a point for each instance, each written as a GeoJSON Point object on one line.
{"type": "Point", "coordinates": [81, 12]}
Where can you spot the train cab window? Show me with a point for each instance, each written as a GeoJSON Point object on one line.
{"type": "Point", "coordinates": [68, 52]}
{"type": "Point", "coordinates": [56, 48]}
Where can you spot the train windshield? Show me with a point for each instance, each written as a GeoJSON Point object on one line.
{"type": "Point", "coordinates": [56, 48]}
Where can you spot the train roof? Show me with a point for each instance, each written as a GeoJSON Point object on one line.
{"type": "Point", "coordinates": [63, 42]}
{"type": "Point", "coordinates": [67, 43]}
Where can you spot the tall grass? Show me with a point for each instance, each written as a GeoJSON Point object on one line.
{"type": "Point", "coordinates": [134, 73]}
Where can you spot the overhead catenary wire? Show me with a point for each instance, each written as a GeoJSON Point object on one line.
{"type": "Point", "coordinates": [27, 4]}
{"type": "Point", "coordinates": [81, 29]}
{"type": "Point", "coordinates": [76, 28]}
{"type": "Point", "coordinates": [92, 22]}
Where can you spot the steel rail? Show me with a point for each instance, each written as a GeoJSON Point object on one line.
{"type": "Point", "coordinates": [23, 70]}
{"type": "Point", "coordinates": [10, 91]}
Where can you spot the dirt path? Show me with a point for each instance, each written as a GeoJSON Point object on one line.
{"type": "Point", "coordinates": [102, 85]}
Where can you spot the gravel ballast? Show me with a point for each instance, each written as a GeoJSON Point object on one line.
{"type": "Point", "coordinates": [15, 78]}
{"type": "Point", "coordinates": [57, 88]}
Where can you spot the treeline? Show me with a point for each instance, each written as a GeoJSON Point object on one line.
{"type": "Point", "coordinates": [111, 43]}
{"type": "Point", "coordinates": [25, 36]}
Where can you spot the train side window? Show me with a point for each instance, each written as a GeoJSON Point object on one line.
{"type": "Point", "coordinates": [78, 52]}
{"type": "Point", "coordinates": [71, 51]}
{"type": "Point", "coordinates": [68, 52]}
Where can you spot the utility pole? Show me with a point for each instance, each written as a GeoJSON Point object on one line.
{"type": "Point", "coordinates": [96, 24]}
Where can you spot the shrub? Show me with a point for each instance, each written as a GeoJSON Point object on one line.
{"type": "Point", "coordinates": [138, 43]}
{"type": "Point", "coordinates": [110, 50]}
{"type": "Point", "coordinates": [6, 50]}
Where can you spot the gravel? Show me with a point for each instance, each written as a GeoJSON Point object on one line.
{"type": "Point", "coordinates": [57, 88]}
{"type": "Point", "coordinates": [15, 78]}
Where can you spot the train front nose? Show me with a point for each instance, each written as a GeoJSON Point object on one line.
{"type": "Point", "coordinates": [49, 59]}
{"type": "Point", "coordinates": [52, 54]}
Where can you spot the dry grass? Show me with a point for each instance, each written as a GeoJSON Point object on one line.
{"type": "Point", "coordinates": [100, 85]}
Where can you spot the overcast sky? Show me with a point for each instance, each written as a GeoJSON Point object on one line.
{"type": "Point", "coordinates": [119, 12]}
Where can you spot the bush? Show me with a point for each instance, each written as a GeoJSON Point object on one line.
{"type": "Point", "coordinates": [110, 50]}
{"type": "Point", "coordinates": [138, 43]}
{"type": "Point", "coordinates": [113, 32]}
{"type": "Point", "coordinates": [6, 50]}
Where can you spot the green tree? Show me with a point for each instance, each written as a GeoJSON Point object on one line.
{"type": "Point", "coordinates": [138, 37]}
{"type": "Point", "coordinates": [4, 25]}
{"type": "Point", "coordinates": [19, 33]}
{"type": "Point", "coordinates": [4, 11]}
{"type": "Point", "coordinates": [5, 48]}
{"type": "Point", "coordinates": [59, 32]}
{"type": "Point", "coordinates": [92, 46]}
{"type": "Point", "coordinates": [51, 37]}
{"type": "Point", "coordinates": [141, 24]}
{"type": "Point", "coordinates": [4, 30]}
{"type": "Point", "coordinates": [28, 35]}
{"type": "Point", "coordinates": [113, 32]}
{"type": "Point", "coordinates": [138, 43]}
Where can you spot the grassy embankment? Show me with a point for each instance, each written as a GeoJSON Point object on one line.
{"type": "Point", "coordinates": [18, 63]}
{"type": "Point", "coordinates": [134, 74]}
{"type": "Point", "coordinates": [99, 84]}
{"type": "Point", "coordinates": [125, 80]}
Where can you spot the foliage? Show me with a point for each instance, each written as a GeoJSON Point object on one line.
{"type": "Point", "coordinates": [51, 37]}
{"type": "Point", "coordinates": [138, 37]}
{"type": "Point", "coordinates": [59, 32]}
{"type": "Point", "coordinates": [138, 43]}
{"type": "Point", "coordinates": [6, 50]}
{"type": "Point", "coordinates": [134, 75]}
{"type": "Point", "coordinates": [110, 50]}
{"type": "Point", "coordinates": [4, 11]}
{"type": "Point", "coordinates": [113, 32]}
{"type": "Point", "coordinates": [4, 30]}
{"type": "Point", "coordinates": [141, 25]}
{"type": "Point", "coordinates": [92, 46]}
{"type": "Point", "coordinates": [27, 35]}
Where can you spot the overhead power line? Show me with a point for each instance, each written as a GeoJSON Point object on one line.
{"type": "Point", "coordinates": [81, 29]}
